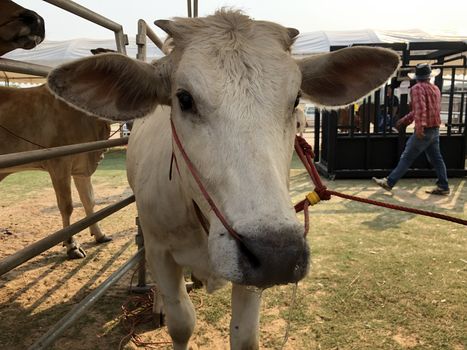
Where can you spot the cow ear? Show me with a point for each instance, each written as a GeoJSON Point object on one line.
{"type": "Point", "coordinates": [344, 76]}
{"type": "Point", "coordinates": [111, 86]}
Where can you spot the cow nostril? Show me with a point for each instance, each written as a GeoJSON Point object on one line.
{"type": "Point", "coordinates": [28, 18]}
{"type": "Point", "coordinates": [31, 19]}
{"type": "Point", "coordinates": [252, 259]}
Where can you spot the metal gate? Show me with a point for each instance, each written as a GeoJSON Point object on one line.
{"type": "Point", "coordinates": [14, 159]}
{"type": "Point", "coordinates": [361, 141]}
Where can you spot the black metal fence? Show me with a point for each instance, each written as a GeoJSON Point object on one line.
{"type": "Point", "coordinates": [361, 141]}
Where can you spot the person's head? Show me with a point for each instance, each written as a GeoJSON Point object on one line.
{"type": "Point", "coordinates": [423, 72]}
{"type": "Point", "coordinates": [389, 91]}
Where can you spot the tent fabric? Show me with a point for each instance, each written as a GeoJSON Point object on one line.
{"type": "Point", "coordinates": [53, 53]}
{"type": "Point", "coordinates": [316, 42]}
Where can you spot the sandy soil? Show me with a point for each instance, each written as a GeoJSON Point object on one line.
{"type": "Point", "coordinates": [37, 294]}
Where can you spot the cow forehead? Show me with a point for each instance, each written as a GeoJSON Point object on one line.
{"type": "Point", "coordinates": [237, 68]}
{"type": "Point", "coordinates": [228, 28]}
{"type": "Point", "coordinates": [231, 42]}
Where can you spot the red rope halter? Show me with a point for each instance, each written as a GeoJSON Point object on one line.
{"type": "Point", "coordinates": [253, 260]}
{"type": "Point", "coordinates": [305, 154]}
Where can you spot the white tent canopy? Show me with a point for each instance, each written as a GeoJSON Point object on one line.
{"type": "Point", "coordinates": [53, 53]}
{"type": "Point", "coordinates": [321, 41]}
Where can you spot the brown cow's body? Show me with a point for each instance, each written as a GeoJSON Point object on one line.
{"type": "Point", "coordinates": [19, 27]}
{"type": "Point", "coordinates": [35, 115]}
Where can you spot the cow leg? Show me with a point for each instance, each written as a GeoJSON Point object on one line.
{"type": "Point", "coordinates": [179, 311]}
{"type": "Point", "coordinates": [86, 194]}
{"type": "Point", "coordinates": [61, 180]}
{"type": "Point", "coordinates": [244, 325]}
{"type": "Point", "coordinates": [158, 310]}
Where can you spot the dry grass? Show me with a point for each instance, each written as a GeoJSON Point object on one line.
{"type": "Point", "coordinates": [380, 279]}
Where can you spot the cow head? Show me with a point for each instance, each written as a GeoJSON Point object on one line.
{"type": "Point", "coordinates": [232, 86]}
{"type": "Point", "coordinates": [19, 27]}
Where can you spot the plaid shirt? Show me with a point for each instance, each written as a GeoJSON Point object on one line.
{"type": "Point", "coordinates": [426, 106]}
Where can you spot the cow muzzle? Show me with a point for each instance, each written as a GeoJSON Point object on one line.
{"type": "Point", "coordinates": [26, 31]}
{"type": "Point", "coordinates": [266, 256]}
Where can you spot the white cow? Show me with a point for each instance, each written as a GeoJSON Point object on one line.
{"type": "Point", "coordinates": [230, 86]}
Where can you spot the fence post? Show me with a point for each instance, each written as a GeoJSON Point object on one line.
{"type": "Point", "coordinates": [141, 287]}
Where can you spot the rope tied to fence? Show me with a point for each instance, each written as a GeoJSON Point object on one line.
{"type": "Point", "coordinates": [305, 153]}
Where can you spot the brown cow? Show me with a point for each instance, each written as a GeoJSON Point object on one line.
{"type": "Point", "coordinates": [19, 27]}
{"type": "Point", "coordinates": [44, 121]}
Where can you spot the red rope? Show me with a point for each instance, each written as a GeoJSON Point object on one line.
{"type": "Point", "coordinates": [243, 247]}
{"type": "Point", "coordinates": [305, 154]}
{"type": "Point", "coordinates": [203, 190]}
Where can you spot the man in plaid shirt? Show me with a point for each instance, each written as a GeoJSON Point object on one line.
{"type": "Point", "coordinates": [426, 106]}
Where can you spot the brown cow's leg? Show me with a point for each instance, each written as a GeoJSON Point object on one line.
{"type": "Point", "coordinates": [61, 180]}
{"type": "Point", "coordinates": [86, 194]}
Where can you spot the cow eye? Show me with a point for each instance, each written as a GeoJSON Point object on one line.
{"type": "Point", "coordinates": [186, 101]}
{"type": "Point", "coordinates": [297, 101]}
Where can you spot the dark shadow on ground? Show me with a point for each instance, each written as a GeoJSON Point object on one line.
{"type": "Point", "coordinates": [43, 316]}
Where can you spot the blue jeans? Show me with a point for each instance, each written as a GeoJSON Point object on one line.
{"type": "Point", "coordinates": [414, 147]}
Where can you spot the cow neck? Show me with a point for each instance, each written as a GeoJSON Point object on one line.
{"type": "Point", "coordinates": [194, 172]}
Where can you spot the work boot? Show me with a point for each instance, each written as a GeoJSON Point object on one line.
{"type": "Point", "coordinates": [382, 183]}
{"type": "Point", "coordinates": [438, 191]}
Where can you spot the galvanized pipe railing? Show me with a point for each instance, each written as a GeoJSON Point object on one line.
{"type": "Point", "coordinates": [195, 8]}
{"type": "Point", "coordinates": [121, 38]}
{"type": "Point", "coordinates": [29, 252]}
{"type": "Point", "coordinates": [20, 158]}
{"type": "Point", "coordinates": [78, 310]}
{"type": "Point", "coordinates": [83, 12]}
{"type": "Point", "coordinates": [145, 31]}
{"type": "Point", "coordinates": [24, 67]}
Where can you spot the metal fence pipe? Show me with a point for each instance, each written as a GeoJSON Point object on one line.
{"type": "Point", "coordinates": [145, 31]}
{"type": "Point", "coordinates": [78, 310]}
{"type": "Point", "coordinates": [154, 38]}
{"type": "Point", "coordinates": [20, 158]}
{"type": "Point", "coordinates": [141, 40]}
{"type": "Point", "coordinates": [121, 39]}
{"type": "Point", "coordinates": [24, 67]}
{"type": "Point", "coordinates": [23, 255]}
{"type": "Point", "coordinates": [94, 17]}
{"type": "Point", "coordinates": [195, 8]}
{"type": "Point", "coordinates": [85, 13]}
{"type": "Point", "coordinates": [189, 7]}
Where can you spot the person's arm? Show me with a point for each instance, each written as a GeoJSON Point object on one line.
{"type": "Point", "coordinates": [407, 119]}
{"type": "Point", "coordinates": [419, 110]}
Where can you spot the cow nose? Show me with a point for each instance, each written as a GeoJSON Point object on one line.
{"type": "Point", "coordinates": [34, 22]}
{"type": "Point", "coordinates": [273, 256]}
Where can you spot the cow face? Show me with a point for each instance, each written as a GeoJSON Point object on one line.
{"type": "Point", "coordinates": [19, 27]}
{"type": "Point", "coordinates": [232, 86]}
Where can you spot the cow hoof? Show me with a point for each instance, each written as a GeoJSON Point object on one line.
{"type": "Point", "coordinates": [103, 239]}
{"type": "Point", "coordinates": [159, 320]}
{"type": "Point", "coordinates": [76, 253]}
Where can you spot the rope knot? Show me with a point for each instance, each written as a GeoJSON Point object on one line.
{"type": "Point", "coordinates": [323, 193]}
{"type": "Point", "coordinates": [305, 146]}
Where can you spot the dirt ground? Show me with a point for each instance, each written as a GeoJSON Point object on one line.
{"type": "Point", "coordinates": [37, 294]}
